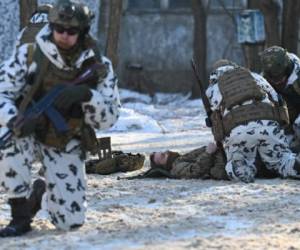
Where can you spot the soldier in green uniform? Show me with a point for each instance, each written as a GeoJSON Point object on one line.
{"type": "Point", "coordinates": [206, 162]}
{"type": "Point", "coordinates": [247, 118]}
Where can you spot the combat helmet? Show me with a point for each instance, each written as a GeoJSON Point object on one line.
{"type": "Point", "coordinates": [71, 13]}
{"type": "Point", "coordinates": [222, 62]}
{"type": "Point", "coordinates": [275, 62]}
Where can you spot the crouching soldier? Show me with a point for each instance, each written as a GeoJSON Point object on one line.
{"type": "Point", "coordinates": [62, 51]}
{"type": "Point", "coordinates": [246, 117]}
{"type": "Point", "coordinates": [282, 70]}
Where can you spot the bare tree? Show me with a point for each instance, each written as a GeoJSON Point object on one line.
{"type": "Point", "coordinates": [27, 7]}
{"type": "Point", "coordinates": [114, 30]}
{"type": "Point", "coordinates": [103, 23]}
{"type": "Point", "coordinates": [271, 10]}
{"type": "Point", "coordinates": [290, 25]}
{"type": "Point", "coordinates": [288, 38]}
{"type": "Point", "coordinates": [199, 12]}
{"type": "Point", "coordinates": [252, 50]}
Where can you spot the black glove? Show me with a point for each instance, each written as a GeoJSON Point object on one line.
{"type": "Point", "coordinates": [28, 127]}
{"type": "Point", "coordinates": [72, 95]}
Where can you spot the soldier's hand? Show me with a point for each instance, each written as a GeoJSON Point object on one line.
{"type": "Point", "coordinates": [27, 127]}
{"type": "Point", "coordinates": [72, 95]}
{"type": "Point", "coordinates": [211, 148]}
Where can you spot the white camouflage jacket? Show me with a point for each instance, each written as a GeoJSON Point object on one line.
{"type": "Point", "coordinates": [294, 75]}
{"type": "Point", "coordinates": [100, 112]}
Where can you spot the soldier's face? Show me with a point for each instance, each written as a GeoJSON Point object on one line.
{"type": "Point", "coordinates": [65, 39]}
{"type": "Point", "coordinates": [160, 158]}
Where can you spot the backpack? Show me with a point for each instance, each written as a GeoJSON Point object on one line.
{"type": "Point", "coordinates": [27, 35]}
{"type": "Point", "coordinates": [37, 21]}
{"type": "Point", "coordinates": [118, 162]}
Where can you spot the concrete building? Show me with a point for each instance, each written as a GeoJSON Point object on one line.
{"type": "Point", "coordinates": [156, 40]}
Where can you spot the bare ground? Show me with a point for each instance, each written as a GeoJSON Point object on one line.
{"type": "Point", "coordinates": [174, 214]}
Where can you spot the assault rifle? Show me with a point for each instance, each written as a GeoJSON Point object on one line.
{"type": "Point", "coordinates": [45, 105]}
{"type": "Point", "coordinates": [206, 104]}
{"type": "Point", "coordinates": [204, 98]}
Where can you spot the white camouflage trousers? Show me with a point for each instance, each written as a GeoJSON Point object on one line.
{"type": "Point", "coordinates": [263, 137]}
{"type": "Point", "coordinates": [296, 128]}
{"type": "Point", "coordinates": [64, 174]}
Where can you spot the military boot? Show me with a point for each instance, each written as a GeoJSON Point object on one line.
{"type": "Point", "coordinates": [35, 199]}
{"type": "Point", "coordinates": [23, 210]}
{"type": "Point", "coordinates": [21, 218]}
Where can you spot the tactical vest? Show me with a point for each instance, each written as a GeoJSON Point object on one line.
{"type": "Point", "coordinates": [236, 87]}
{"type": "Point", "coordinates": [48, 75]}
{"type": "Point", "coordinates": [52, 77]}
{"type": "Point", "coordinates": [45, 78]}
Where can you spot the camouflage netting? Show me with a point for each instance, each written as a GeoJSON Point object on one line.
{"type": "Point", "coordinates": [9, 26]}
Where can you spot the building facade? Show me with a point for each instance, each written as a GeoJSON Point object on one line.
{"type": "Point", "coordinates": [156, 40]}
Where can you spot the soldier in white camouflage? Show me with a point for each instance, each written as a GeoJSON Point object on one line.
{"type": "Point", "coordinates": [247, 117]}
{"type": "Point", "coordinates": [61, 51]}
{"type": "Point", "coordinates": [282, 71]}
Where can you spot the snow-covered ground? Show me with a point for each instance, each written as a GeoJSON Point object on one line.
{"type": "Point", "coordinates": [171, 214]}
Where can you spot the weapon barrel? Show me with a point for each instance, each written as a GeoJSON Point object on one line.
{"type": "Point", "coordinates": [205, 103]}
{"type": "Point", "coordinates": [202, 90]}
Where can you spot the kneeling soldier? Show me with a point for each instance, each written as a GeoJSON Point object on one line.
{"type": "Point", "coordinates": [247, 117]}
{"type": "Point", "coordinates": [63, 51]}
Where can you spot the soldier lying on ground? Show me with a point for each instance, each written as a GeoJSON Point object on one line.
{"type": "Point", "coordinates": [206, 162]}
{"type": "Point", "coordinates": [246, 118]}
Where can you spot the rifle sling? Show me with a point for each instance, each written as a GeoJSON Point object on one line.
{"type": "Point", "coordinates": [42, 62]}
